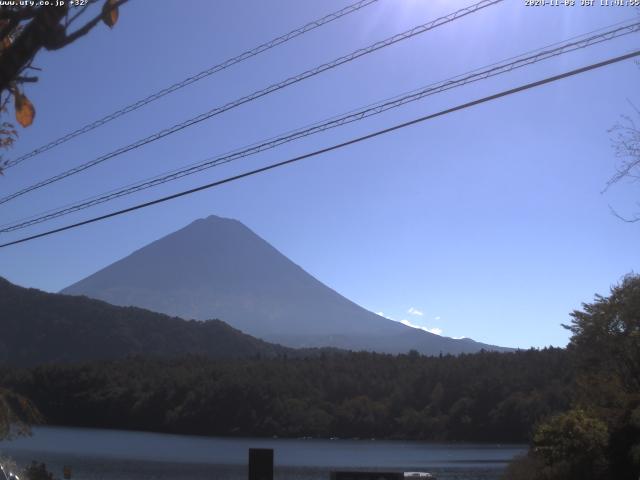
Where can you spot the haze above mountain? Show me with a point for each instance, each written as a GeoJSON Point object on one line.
{"type": "Point", "coordinates": [219, 268]}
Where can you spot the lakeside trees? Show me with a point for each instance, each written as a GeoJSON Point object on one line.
{"type": "Point", "coordinates": [599, 438]}
{"type": "Point", "coordinates": [481, 397]}
{"type": "Point", "coordinates": [579, 406]}
{"type": "Point", "coordinates": [16, 414]}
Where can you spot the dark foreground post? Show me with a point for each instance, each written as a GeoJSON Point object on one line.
{"type": "Point", "coordinates": [260, 464]}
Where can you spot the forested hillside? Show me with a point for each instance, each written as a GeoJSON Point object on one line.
{"type": "Point", "coordinates": [487, 396]}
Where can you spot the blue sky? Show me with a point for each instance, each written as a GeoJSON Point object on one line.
{"type": "Point", "coordinates": [489, 222]}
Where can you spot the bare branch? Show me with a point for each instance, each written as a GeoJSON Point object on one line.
{"type": "Point", "coordinates": [4, 101]}
{"type": "Point", "coordinates": [82, 31]}
{"type": "Point", "coordinates": [81, 11]}
{"type": "Point", "coordinates": [633, 219]}
{"type": "Point", "coordinates": [26, 79]}
{"type": "Point", "coordinates": [626, 145]}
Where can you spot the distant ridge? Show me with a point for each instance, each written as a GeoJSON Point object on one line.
{"type": "Point", "coordinates": [218, 268]}
{"type": "Point", "coordinates": [39, 327]}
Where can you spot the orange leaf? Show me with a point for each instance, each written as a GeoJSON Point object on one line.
{"type": "Point", "coordinates": [110, 13]}
{"type": "Point", "coordinates": [25, 111]}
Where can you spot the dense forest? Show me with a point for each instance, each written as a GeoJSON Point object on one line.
{"type": "Point", "coordinates": [483, 397]}
{"type": "Point", "coordinates": [578, 407]}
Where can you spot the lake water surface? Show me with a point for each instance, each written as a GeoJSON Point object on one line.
{"type": "Point", "coordinates": [118, 455]}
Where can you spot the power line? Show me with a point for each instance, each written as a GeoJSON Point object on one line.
{"type": "Point", "coordinates": [353, 141]}
{"type": "Point", "coordinates": [526, 59]}
{"type": "Point", "coordinates": [260, 93]}
{"type": "Point", "coordinates": [194, 78]}
{"type": "Point", "coordinates": [582, 40]}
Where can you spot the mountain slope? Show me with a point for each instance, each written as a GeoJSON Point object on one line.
{"type": "Point", "coordinates": [39, 327]}
{"type": "Point", "coordinates": [217, 267]}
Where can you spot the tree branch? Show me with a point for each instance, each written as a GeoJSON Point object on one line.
{"type": "Point", "coordinates": [82, 31]}
{"type": "Point", "coordinates": [19, 14]}
{"type": "Point", "coordinates": [26, 79]}
{"type": "Point", "coordinates": [80, 12]}
{"type": "Point", "coordinates": [8, 28]}
{"type": "Point", "coordinates": [41, 30]}
{"type": "Point", "coordinates": [624, 219]}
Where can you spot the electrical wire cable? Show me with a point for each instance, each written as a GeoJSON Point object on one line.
{"type": "Point", "coordinates": [526, 59]}
{"type": "Point", "coordinates": [315, 153]}
{"type": "Point", "coordinates": [193, 79]}
{"type": "Point", "coordinates": [260, 93]}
